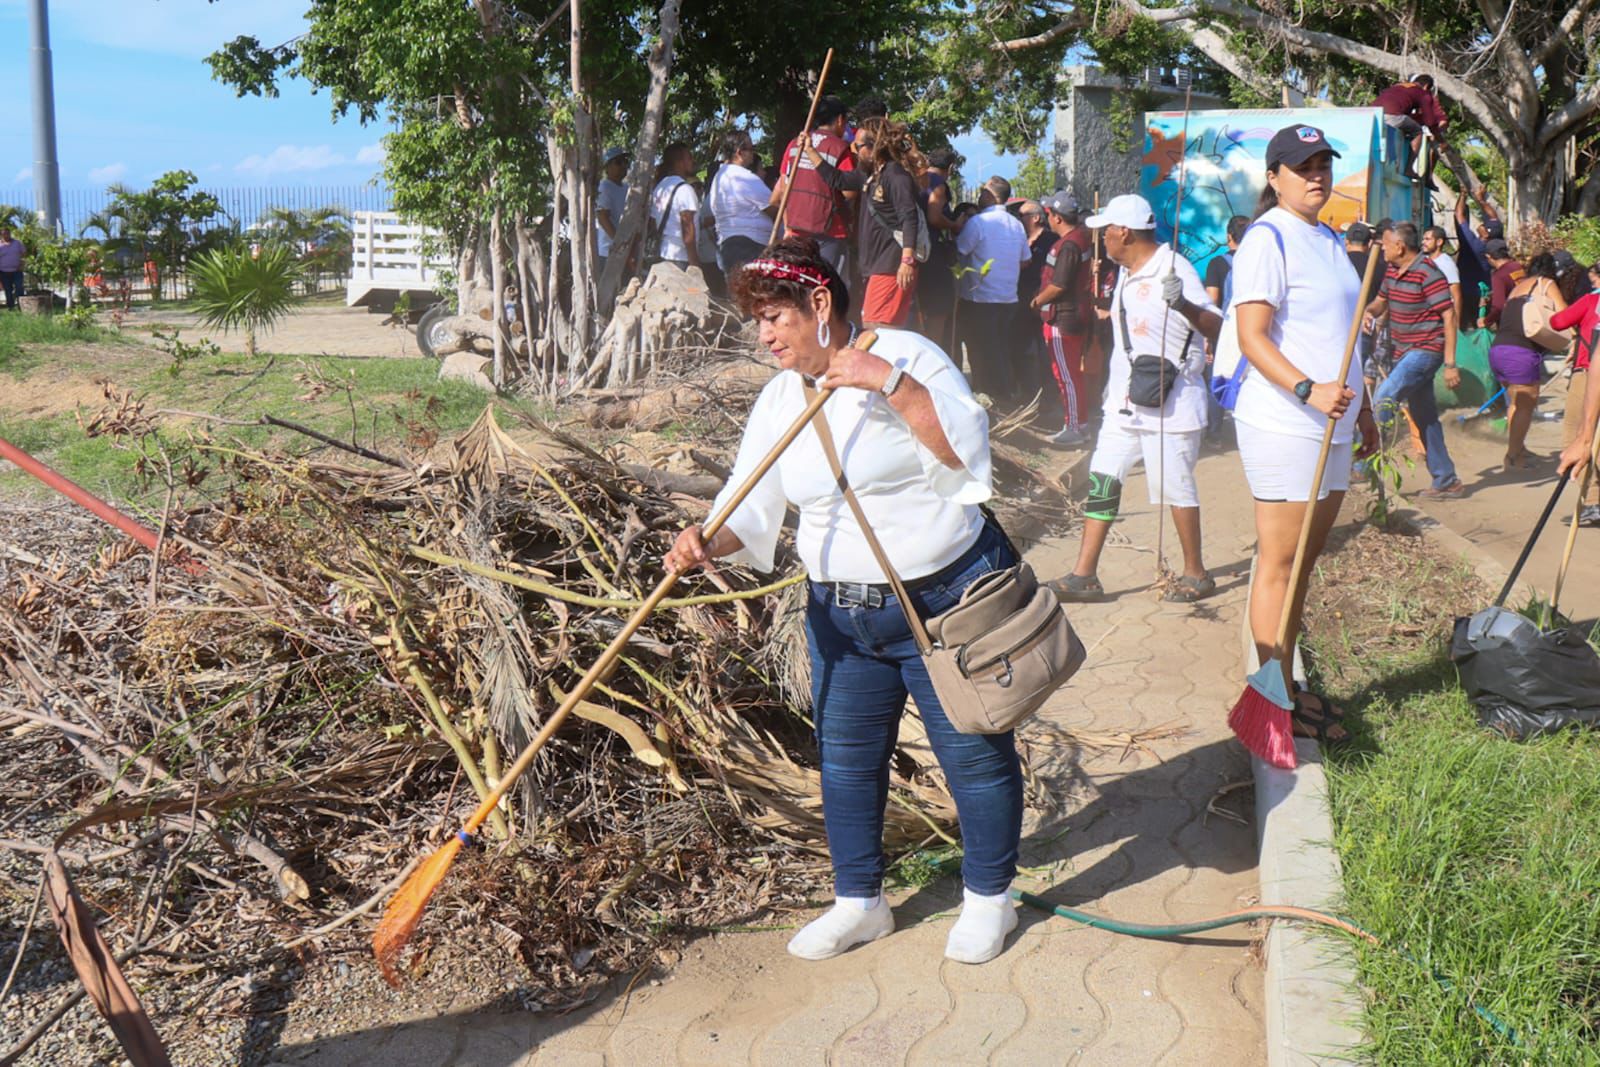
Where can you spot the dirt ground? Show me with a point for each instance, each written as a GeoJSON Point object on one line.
{"type": "Point", "coordinates": [313, 330]}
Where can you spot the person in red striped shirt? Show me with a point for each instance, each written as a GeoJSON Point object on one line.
{"type": "Point", "coordinates": [1422, 322]}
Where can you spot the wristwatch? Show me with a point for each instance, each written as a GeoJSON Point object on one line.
{"type": "Point", "coordinates": [891, 383]}
{"type": "Point", "coordinates": [1302, 389]}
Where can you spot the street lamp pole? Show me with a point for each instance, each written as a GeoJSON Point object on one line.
{"type": "Point", "coordinates": [46, 170]}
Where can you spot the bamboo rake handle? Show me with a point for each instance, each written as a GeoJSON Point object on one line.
{"type": "Point", "coordinates": [614, 650]}
{"type": "Point", "coordinates": [788, 185]}
{"type": "Point", "coordinates": [1282, 645]}
{"type": "Point", "coordinates": [1572, 530]}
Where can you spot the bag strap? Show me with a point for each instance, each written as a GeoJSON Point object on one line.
{"type": "Point", "coordinates": [824, 434]}
{"type": "Point", "coordinates": [1122, 315]}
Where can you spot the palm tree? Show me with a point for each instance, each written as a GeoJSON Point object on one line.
{"type": "Point", "coordinates": [233, 289]}
{"type": "Point", "coordinates": [14, 216]}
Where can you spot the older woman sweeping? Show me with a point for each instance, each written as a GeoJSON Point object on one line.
{"type": "Point", "coordinates": [915, 447]}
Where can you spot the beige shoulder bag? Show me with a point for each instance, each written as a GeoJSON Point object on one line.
{"type": "Point", "coordinates": [998, 654]}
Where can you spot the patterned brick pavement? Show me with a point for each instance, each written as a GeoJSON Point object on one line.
{"type": "Point", "coordinates": [1133, 840]}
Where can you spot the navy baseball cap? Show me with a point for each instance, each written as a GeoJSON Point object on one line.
{"type": "Point", "coordinates": [1293, 145]}
{"type": "Point", "coordinates": [1494, 228]}
{"type": "Point", "coordinates": [1062, 203]}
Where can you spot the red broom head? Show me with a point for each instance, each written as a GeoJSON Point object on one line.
{"type": "Point", "coordinates": [1264, 728]}
{"type": "Point", "coordinates": [405, 909]}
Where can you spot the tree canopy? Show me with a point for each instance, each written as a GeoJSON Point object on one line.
{"type": "Point", "coordinates": [1523, 77]}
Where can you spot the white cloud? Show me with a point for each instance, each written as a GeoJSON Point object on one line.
{"type": "Point", "coordinates": [24, 176]}
{"type": "Point", "coordinates": [289, 159]}
{"type": "Point", "coordinates": [111, 172]}
{"type": "Point", "coordinates": [372, 153]}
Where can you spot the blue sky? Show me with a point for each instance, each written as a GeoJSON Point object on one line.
{"type": "Point", "coordinates": [135, 99]}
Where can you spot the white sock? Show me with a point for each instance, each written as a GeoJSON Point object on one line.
{"type": "Point", "coordinates": [980, 932]}
{"type": "Point", "coordinates": [851, 921]}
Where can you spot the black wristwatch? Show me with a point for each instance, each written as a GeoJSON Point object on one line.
{"type": "Point", "coordinates": [1302, 389]}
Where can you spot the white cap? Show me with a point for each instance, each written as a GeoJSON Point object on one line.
{"type": "Point", "coordinates": [1130, 210]}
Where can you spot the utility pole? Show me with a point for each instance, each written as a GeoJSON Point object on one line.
{"type": "Point", "coordinates": [46, 171]}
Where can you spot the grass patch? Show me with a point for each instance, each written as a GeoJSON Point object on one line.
{"type": "Point", "coordinates": [1474, 853]}
{"type": "Point", "coordinates": [21, 334]}
{"type": "Point", "coordinates": [384, 404]}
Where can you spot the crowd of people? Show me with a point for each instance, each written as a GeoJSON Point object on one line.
{"type": "Point", "coordinates": [850, 300]}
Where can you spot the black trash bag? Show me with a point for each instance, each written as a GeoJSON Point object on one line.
{"type": "Point", "coordinates": [1526, 682]}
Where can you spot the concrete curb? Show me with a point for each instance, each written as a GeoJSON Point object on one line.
{"type": "Point", "coordinates": [1485, 566]}
{"type": "Point", "coordinates": [1312, 1014]}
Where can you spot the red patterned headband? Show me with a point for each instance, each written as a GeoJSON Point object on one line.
{"type": "Point", "coordinates": [787, 272]}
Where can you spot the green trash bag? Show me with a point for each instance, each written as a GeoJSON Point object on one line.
{"type": "Point", "coordinates": [1477, 382]}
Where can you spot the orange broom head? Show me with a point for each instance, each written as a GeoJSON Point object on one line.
{"type": "Point", "coordinates": [405, 908]}
{"type": "Point", "coordinates": [1264, 728]}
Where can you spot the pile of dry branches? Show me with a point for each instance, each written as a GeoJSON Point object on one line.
{"type": "Point", "coordinates": [247, 741]}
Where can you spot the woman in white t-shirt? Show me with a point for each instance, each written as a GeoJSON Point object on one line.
{"type": "Point", "coordinates": [673, 204]}
{"type": "Point", "coordinates": [738, 200]}
{"type": "Point", "coordinates": [1294, 297]}
{"type": "Point", "coordinates": [915, 447]}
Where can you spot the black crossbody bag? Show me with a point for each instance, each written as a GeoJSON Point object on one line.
{"type": "Point", "coordinates": [1151, 378]}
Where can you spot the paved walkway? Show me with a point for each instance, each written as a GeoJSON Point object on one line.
{"type": "Point", "coordinates": [1134, 840]}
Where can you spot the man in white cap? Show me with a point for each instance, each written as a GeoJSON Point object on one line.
{"type": "Point", "coordinates": [610, 198]}
{"type": "Point", "coordinates": [1155, 400]}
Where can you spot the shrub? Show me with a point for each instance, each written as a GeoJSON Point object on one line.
{"type": "Point", "coordinates": [234, 291]}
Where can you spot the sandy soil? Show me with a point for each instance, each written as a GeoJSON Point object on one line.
{"type": "Point", "coordinates": [333, 331]}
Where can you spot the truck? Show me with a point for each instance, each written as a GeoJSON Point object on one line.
{"type": "Point", "coordinates": [389, 257]}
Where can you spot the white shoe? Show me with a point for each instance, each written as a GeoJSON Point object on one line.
{"type": "Point", "coordinates": [851, 921]}
{"type": "Point", "coordinates": [980, 932]}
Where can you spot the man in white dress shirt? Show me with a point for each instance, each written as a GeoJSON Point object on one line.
{"type": "Point", "coordinates": [993, 247]}
{"type": "Point", "coordinates": [1159, 310]}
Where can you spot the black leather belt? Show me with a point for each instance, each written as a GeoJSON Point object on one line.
{"type": "Point", "coordinates": [876, 594]}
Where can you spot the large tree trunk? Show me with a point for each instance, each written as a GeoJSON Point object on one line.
{"type": "Point", "coordinates": [644, 153]}
{"type": "Point", "coordinates": [497, 273]}
{"type": "Point", "coordinates": [1535, 189]}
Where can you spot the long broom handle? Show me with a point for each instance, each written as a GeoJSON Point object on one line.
{"type": "Point", "coordinates": [1295, 577]}
{"type": "Point", "coordinates": [1527, 548]}
{"type": "Point", "coordinates": [788, 185]}
{"type": "Point", "coordinates": [614, 649]}
{"type": "Point", "coordinates": [1572, 531]}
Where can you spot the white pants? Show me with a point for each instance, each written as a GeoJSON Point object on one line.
{"type": "Point", "coordinates": [1279, 466]}
{"type": "Point", "coordinates": [1169, 470]}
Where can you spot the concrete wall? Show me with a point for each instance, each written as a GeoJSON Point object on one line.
{"type": "Point", "coordinates": [1085, 159]}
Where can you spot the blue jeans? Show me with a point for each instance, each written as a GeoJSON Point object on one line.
{"type": "Point", "coordinates": [1411, 381]}
{"type": "Point", "coordinates": [863, 663]}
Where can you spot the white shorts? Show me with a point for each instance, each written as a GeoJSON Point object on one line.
{"type": "Point", "coordinates": [1279, 466]}
{"type": "Point", "coordinates": [1116, 450]}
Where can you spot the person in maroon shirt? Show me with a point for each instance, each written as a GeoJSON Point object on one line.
{"type": "Point", "coordinates": [1507, 272]}
{"type": "Point", "coordinates": [1409, 106]}
{"type": "Point", "coordinates": [1065, 303]}
{"type": "Point", "coordinates": [815, 209]}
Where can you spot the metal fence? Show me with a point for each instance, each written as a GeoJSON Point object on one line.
{"type": "Point", "coordinates": [244, 205]}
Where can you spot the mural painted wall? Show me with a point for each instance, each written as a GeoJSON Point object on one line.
{"type": "Point", "coordinates": [1222, 161]}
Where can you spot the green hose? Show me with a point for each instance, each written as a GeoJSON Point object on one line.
{"type": "Point", "coordinates": [1159, 931]}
